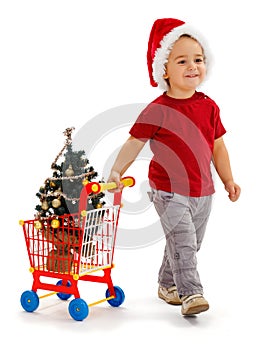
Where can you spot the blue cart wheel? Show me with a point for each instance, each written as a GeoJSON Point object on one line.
{"type": "Point", "coordinates": [63, 296]}
{"type": "Point", "coordinates": [29, 300]}
{"type": "Point", "coordinates": [119, 297]}
{"type": "Point", "coordinates": [78, 309]}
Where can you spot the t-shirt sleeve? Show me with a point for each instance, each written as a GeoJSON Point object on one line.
{"type": "Point", "coordinates": [219, 127]}
{"type": "Point", "coordinates": [147, 124]}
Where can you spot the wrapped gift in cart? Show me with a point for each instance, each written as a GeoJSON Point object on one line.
{"type": "Point", "coordinates": [75, 247]}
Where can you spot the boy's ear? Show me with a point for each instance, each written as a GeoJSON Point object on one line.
{"type": "Point", "coordinates": [165, 76]}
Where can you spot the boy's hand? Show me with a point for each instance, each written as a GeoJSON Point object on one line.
{"type": "Point", "coordinates": [234, 191]}
{"type": "Point", "coordinates": [115, 177]}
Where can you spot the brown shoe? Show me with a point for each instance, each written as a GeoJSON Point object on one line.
{"type": "Point", "coordinates": [193, 304]}
{"type": "Point", "coordinates": [170, 295]}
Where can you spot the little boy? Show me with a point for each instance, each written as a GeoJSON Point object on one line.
{"type": "Point", "coordinates": [185, 133]}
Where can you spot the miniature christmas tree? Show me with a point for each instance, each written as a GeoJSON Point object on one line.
{"type": "Point", "coordinates": [60, 193]}
{"type": "Point", "coordinates": [57, 215]}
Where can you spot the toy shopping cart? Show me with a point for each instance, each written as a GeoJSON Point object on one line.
{"type": "Point", "coordinates": [74, 247]}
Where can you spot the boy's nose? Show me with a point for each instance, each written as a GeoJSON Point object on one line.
{"type": "Point", "coordinates": [191, 66]}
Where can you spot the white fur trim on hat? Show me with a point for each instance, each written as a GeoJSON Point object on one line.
{"type": "Point", "coordinates": [166, 45]}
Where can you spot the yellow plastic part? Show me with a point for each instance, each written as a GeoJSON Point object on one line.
{"type": "Point", "coordinates": [96, 188]}
{"type": "Point", "coordinates": [128, 181]}
{"type": "Point", "coordinates": [101, 187]}
{"type": "Point", "coordinates": [47, 295]}
{"type": "Point", "coordinates": [21, 222]}
{"type": "Point", "coordinates": [100, 301]}
{"type": "Point", "coordinates": [75, 276]}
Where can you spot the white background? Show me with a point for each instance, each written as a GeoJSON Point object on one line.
{"type": "Point", "coordinates": [64, 62]}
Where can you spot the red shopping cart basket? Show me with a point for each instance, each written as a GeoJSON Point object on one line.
{"type": "Point", "coordinates": [76, 247]}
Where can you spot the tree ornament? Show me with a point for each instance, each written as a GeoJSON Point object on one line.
{"type": "Point", "coordinates": [55, 223]}
{"type": "Point", "coordinates": [85, 182]}
{"type": "Point", "coordinates": [70, 171]}
{"type": "Point", "coordinates": [38, 225]}
{"type": "Point", "coordinates": [45, 205]}
{"type": "Point", "coordinates": [56, 203]}
{"type": "Point", "coordinates": [52, 184]}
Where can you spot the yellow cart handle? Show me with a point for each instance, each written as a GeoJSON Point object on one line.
{"type": "Point", "coordinates": [101, 187]}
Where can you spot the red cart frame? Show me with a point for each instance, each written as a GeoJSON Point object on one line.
{"type": "Point", "coordinates": [74, 247]}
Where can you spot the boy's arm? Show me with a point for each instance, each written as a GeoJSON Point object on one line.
{"type": "Point", "coordinates": [125, 158]}
{"type": "Point", "coordinates": [222, 165]}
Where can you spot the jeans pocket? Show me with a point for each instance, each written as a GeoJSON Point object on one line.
{"type": "Point", "coordinates": [163, 195]}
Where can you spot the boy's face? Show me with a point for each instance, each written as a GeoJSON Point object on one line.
{"type": "Point", "coordinates": [186, 68]}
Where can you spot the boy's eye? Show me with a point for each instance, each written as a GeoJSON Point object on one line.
{"type": "Point", "coordinates": [199, 60]}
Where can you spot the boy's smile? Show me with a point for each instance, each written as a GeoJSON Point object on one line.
{"type": "Point", "coordinates": [191, 75]}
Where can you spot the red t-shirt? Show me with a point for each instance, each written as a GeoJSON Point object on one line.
{"type": "Point", "coordinates": [181, 134]}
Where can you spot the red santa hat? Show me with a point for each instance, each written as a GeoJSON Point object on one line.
{"type": "Point", "coordinates": [164, 33]}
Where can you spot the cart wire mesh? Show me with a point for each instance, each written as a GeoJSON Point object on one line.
{"type": "Point", "coordinates": [77, 244]}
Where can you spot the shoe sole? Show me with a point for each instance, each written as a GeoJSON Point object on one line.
{"type": "Point", "coordinates": [161, 296]}
{"type": "Point", "coordinates": [195, 310]}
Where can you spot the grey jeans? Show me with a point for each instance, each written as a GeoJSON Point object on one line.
{"type": "Point", "coordinates": [184, 221]}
